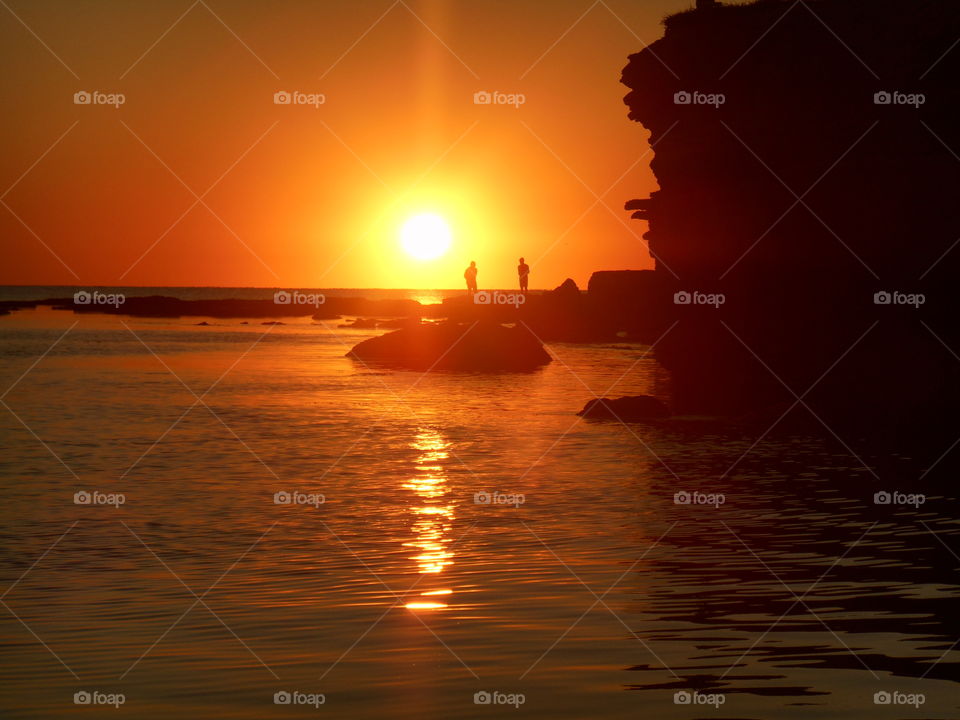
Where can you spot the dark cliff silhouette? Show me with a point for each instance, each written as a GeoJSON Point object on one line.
{"type": "Point", "coordinates": [810, 187]}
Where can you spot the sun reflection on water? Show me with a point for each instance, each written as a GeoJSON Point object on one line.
{"type": "Point", "coordinates": [433, 518]}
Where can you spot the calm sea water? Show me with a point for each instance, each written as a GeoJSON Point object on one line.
{"type": "Point", "coordinates": [594, 594]}
{"type": "Point", "coordinates": [44, 292]}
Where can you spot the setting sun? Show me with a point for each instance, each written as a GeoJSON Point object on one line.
{"type": "Point", "coordinates": [425, 236]}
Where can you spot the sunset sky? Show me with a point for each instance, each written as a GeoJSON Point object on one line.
{"type": "Point", "coordinates": [298, 195]}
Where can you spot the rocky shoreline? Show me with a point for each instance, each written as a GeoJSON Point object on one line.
{"type": "Point", "coordinates": [612, 308]}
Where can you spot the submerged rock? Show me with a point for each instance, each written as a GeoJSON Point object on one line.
{"type": "Point", "coordinates": [629, 409]}
{"type": "Point", "coordinates": [478, 347]}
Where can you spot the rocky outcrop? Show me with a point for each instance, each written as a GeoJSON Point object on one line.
{"type": "Point", "coordinates": [636, 303]}
{"type": "Point", "coordinates": [567, 290]}
{"type": "Point", "coordinates": [634, 408]}
{"type": "Point", "coordinates": [806, 158]}
{"type": "Point", "coordinates": [480, 346]}
{"type": "Point", "coordinates": [563, 314]}
{"type": "Point", "coordinates": [620, 304]}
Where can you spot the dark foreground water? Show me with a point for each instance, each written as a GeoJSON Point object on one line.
{"type": "Point", "coordinates": [594, 594]}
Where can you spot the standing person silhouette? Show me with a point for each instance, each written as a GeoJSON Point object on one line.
{"type": "Point", "coordinates": [523, 271]}
{"type": "Point", "coordinates": [470, 274]}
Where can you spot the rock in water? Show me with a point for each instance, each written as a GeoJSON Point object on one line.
{"type": "Point", "coordinates": [478, 347]}
{"type": "Point", "coordinates": [628, 409]}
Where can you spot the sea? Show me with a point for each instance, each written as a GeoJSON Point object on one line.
{"type": "Point", "coordinates": [235, 520]}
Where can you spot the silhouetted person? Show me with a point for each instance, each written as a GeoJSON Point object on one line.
{"type": "Point", "coordinates": [523, 272]}
{"type": "Point", "coordinates": [470, 274]}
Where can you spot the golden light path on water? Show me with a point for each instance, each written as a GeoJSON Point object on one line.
{"type": "Point", "coordinates": [433, 518]}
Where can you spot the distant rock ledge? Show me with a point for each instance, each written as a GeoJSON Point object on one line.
{"type": "Point", "coordinates": [477, 347]}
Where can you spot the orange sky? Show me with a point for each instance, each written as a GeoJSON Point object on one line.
{"type": "Point", "coordinates": [314, 196]}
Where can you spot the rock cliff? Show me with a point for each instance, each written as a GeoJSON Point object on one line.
{"type": "Point", "coordinates": [807, 158]}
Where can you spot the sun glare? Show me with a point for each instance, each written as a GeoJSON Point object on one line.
{"type": "Point", "coordinates": [425, 236]}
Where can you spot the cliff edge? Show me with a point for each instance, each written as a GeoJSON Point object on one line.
{"type": "Point", "coordinates": [807, 157]}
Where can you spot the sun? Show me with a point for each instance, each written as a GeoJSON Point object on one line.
{"type": "Point", "coordinates": [425, 236]}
